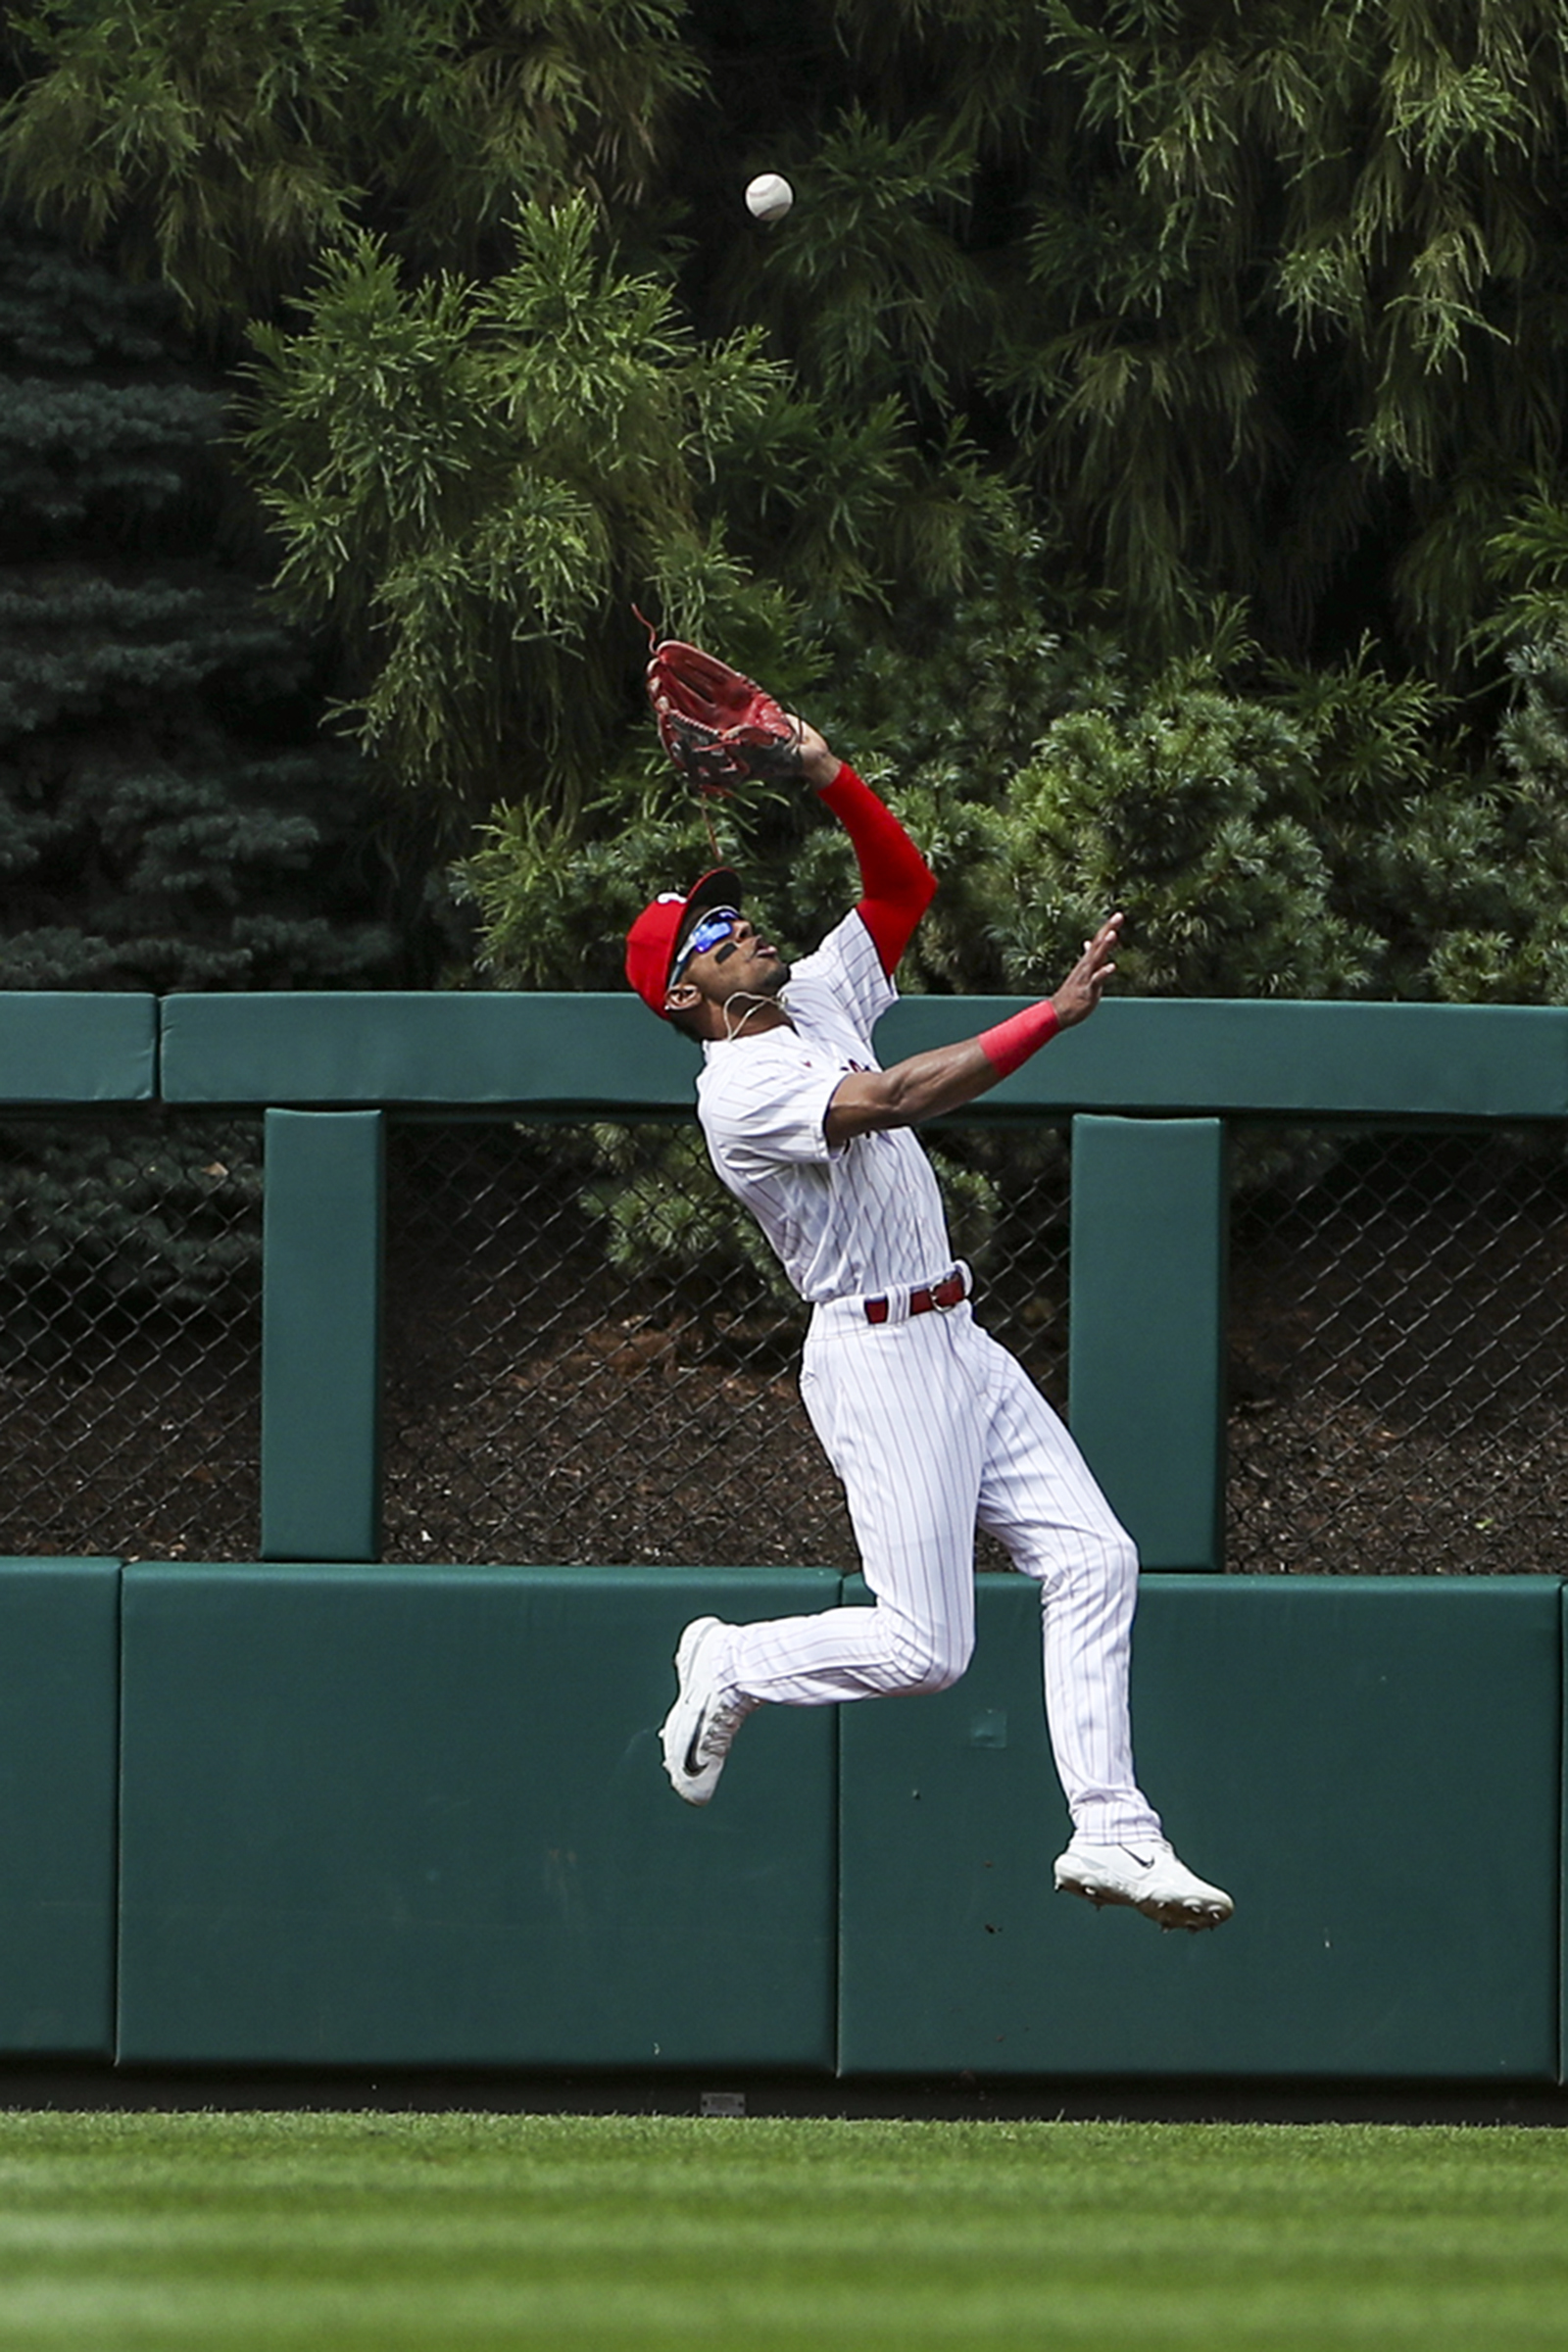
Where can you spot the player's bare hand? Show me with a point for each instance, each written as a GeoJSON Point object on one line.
{"type": "Point", "coordinates": [819, 764]}
{"type": "Point", "coordinates": [1075, 999]}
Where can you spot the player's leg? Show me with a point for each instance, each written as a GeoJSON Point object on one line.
{"type": "Point", "coordinates": [1040, 1498]}
{"type": "Point", "coordinates": [895, 1408]}
{"type": "Point", "coordinates": [899, 1412]}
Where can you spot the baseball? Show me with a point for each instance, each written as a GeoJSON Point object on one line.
{"type": "Point", "coordinates": [768, 196]}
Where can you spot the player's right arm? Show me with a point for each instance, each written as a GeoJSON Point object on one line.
{"type": "Point", "coordinates": [949, 1076]}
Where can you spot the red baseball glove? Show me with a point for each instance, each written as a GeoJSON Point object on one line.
{"type": "Point", "coordinates": [717, 726]}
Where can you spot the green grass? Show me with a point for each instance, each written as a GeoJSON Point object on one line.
{"type": "Point", "coordinates": [456, 2232]}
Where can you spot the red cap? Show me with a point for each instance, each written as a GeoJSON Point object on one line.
{"type": "Point", "coordinates": [655, 936]}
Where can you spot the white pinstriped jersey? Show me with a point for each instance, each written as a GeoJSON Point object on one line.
{"type": "Point", "coordinates": [852, 1223]}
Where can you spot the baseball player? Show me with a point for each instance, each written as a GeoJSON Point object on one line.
{"type": "Point", "coordinates": [932, 1426]}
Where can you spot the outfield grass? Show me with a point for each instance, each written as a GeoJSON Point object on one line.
{"type": "Point", "coordinates": [236, 2232]}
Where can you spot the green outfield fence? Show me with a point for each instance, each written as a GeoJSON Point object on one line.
{"type": "Point", "coordinates": [363, 1465]}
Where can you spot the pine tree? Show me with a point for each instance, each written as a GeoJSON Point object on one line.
{"type": "Point", "coordinates": [168, 816]}
{"type": "Point", "coordinates": [223, 147]}
{"type": "Point", "coordinates": [1291, 327]}
{"type": "Point", "coordinates": [471, 482]}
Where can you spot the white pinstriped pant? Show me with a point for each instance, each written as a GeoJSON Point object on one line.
{"type": "Point", "coordinates": [934, 1428]}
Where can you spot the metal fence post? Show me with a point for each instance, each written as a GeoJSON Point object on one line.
{"type": "Point", "coordinates": [320, 1336]}
{"type": "Point", "coordinates": [1147, 1352]}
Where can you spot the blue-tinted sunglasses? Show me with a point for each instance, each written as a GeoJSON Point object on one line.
{"type": "Point", "coordinates": [715, 925]}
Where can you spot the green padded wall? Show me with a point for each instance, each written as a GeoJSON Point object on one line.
{"type": "Point", "coordinates": [58, 1706]}
{"type": "Point", "coordinates": [418, 1817]}
{"type": "Point", "coordinates": [1147, 1346]}
{"type": "Point", "coordinates": [69, 1046]}
{"type": "Point", "coordinates": [1277, 1057]}
{"type": "Point", "coordinates": [321, 1336]}
{"type": "Point", "coordinates": [431, 1048]}
{"type": "Point", "coordinates": [588, 1050]}
{"type": "Point", "coordinates": [1371, 1768]}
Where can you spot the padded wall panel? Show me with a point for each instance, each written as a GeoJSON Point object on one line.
{"type": "Point", "coordinates": [321, 1336]}
{"type": "Point", "coordinates": [584, 1051]}
{"type": "Point", "coordinates": [59, 1692]}
{"type": "Point", "coordinates": [1280, 1057]}
{"type": "Point", "coordinates": [426, 1047]}
{"type": "Point", "coordinates": [378, 1816]}
{"type": "Point", "coordinates": [1148, 1348]}
{"type": "Point", "coordinates": [76, 1046]}
{"type": "Point", "coordinates": [1370, 1767]}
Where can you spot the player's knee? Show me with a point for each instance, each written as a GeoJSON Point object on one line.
{"type": "Point", "coordinates": [931, 1659]}
{"type": "Point", "coordinates": [1120, 1558]}
{"type": "Point", "coordinates": [1106, 1573]}
{"type": "Point", "coordinates": [1100, 1572]}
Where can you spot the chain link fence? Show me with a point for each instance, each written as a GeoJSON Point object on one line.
{"type": "Point", "coordinates": [1399, 1357]}
{"type": "Point", "coordinates": [590, 1356]}
{"type": "Point", "coordinates": [130, 1283]}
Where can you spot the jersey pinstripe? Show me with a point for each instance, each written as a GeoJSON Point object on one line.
{"type": "Point", "coordinates": [852, 1223]}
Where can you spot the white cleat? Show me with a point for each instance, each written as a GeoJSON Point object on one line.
{"type": "Point", "coordinates": [698, 1730]}
{"type": "Point", "coordinates": [1146, 1877]}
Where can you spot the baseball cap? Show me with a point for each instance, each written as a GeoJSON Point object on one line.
{"type": "Point", "coordinates": [654, 936]}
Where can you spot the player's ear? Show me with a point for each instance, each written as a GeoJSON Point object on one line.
{"type": "Point", "coordinates": [685, 997]}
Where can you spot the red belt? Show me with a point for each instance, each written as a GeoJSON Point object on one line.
{"type": "Point", "coordinates": [948, 1292]}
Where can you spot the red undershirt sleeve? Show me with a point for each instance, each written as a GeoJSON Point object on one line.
{"type": "Point", "coordinates": [897, 885]}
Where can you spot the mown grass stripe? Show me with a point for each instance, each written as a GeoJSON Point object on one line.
{"type": "Point", "coordinates": [237, 2233]}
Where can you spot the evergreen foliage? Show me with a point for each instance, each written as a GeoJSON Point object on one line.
{"type": "Point", "coordinates": [1504, 942]}
{"type": "Point", "coordinates": [223, 145]}
{"type": "Point", "coordinates": [473, 481]}
{"type": "Point", "coordinates": [167, 817]}
{"type": "Point", "coordinates": [1095, 320]}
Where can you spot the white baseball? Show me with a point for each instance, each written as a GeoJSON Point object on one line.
{"type": "Point", "coordinates": [768, 196]}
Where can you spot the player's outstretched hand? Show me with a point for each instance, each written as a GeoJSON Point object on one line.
{"type": "Point", "coordinates": [1075, 999]}
{"type": "Point", "coordinates": [819, 764]}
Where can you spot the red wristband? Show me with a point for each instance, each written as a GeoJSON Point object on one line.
{"type": "Point", "coordinates": [1011, 1042]}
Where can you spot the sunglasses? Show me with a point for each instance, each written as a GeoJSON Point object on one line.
{"type": "Point", "coordinates": [715, 925]}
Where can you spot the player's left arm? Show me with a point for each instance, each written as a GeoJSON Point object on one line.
{"type": "Point", "coordinates": [949, 1076]}
{"type": "Point", "coordinates": [897, 885]}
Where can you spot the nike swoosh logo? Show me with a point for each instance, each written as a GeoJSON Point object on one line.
{"type": "Point", "coordinates": [694, 1762]}
{"type": "Point", "coordinates": [1143, 1861]}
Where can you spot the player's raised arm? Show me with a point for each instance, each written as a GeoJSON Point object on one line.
{"type": "Point", "coordinates": [949, 1076]}
{"type": "Point", "coordinates": [897, 885]}
{"type": "Point", "coordinates": [718, 726]}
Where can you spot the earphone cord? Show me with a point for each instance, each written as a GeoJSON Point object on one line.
{"type": "Point", "coordinates": [730, 1035]}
